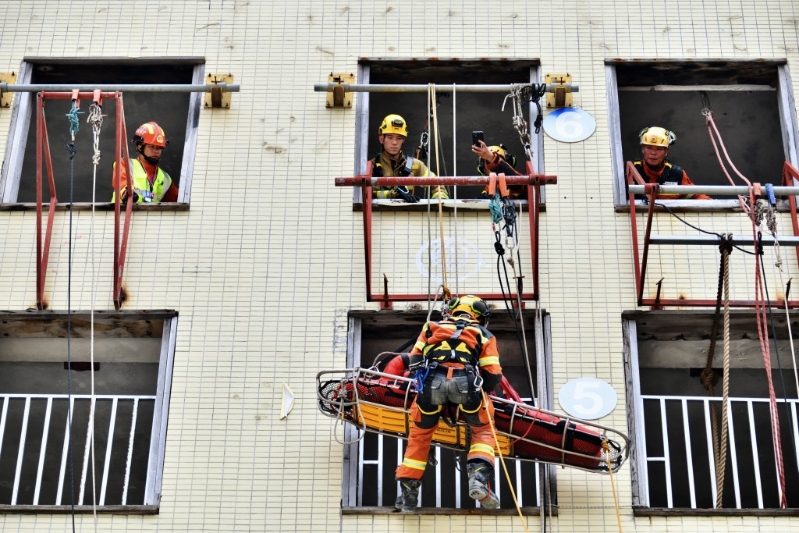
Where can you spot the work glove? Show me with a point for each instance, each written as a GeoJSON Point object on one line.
{"type": "Point", "coordinates": [409, 198]}
{"type": "Point", "coordinates": [125, 197]}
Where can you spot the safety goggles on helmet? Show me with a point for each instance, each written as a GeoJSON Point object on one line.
{"type": "Point", "coordinates": [472, 305]}
{"type": "Point", "coordinates": [502, 151]}
{"type": "Point", "coordinates": [393, 124]}
{"type": "Point", "coordinates": [656, 136]}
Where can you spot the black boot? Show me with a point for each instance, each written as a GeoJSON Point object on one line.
{"type": "Point", "coordinates": [408, 499]}
{"type": "Point", "coordinates": [480, 474]}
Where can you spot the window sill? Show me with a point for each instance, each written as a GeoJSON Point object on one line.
{"type": "Point", "coordinates": [470, 204]}
{"type": "Point", "coordinates": [661, 511]}
{"type": "Point", "coordinates": [99, 206]}
{"type": "Point", "coordinates": [526, 511]}
{"type": "Point", "coordinates": [79, 509]}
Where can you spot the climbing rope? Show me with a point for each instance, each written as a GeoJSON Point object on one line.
{"type": "Point", "coordinates": [606, 449]}
{"type": "Point", "coordinates": [440, 200]}
{"type": "Point", "coordinates": [502, 460]}
{"type": "Point", "coordinates": [73, 129]}
{"type": "Point", "coordinates": [95, 119]}
{"type": "Point", "coordinates": [711, 129]}
{"type": "Point", "coordinates": [520, 95]}
{"type": "Point", "coordinates": [708, 377]}
{"type": "Point", "coordinates": [760, 293]}
{"type": "Point", "coordinates": [760, 314]}
{"type": "Point", "coordinates": [455, 190]}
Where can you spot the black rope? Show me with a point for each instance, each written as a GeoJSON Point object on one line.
{"type": "Point", "coordinates": [719, 235]}
{"type": "Point", "coordinates": [72, 151]}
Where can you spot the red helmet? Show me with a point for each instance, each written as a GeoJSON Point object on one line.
{"type": "Point", "coordinates": [150, 133]}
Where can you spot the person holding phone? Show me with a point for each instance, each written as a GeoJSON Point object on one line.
{"type": "Point", "coordinates": [496, 159]}
{"type": "Point", "coordinates": [392, 162]}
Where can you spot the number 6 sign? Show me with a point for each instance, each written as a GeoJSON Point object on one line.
{"type": "Point", "coordinates": [587, 398]}
{"type": "Point", "coordinates": [569, 125]}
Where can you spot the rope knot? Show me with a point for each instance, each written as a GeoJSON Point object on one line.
{"type": "Point", "coordinates": [709, 378]}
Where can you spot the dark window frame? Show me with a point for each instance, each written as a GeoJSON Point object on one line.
{"type": "Point", "coordinates": [693, 74]}
{"type": "Point", "coordinates": [23, 114]}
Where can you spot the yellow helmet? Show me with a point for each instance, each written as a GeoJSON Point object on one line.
{"type": "Point", "coordinates": [472, 305]}
{"type": "Point", "coordinates": [657, 136]}
{"type": "Point", "coordinates": [502, 151]}
{"type": "Point", "coordinates": [393, 124]}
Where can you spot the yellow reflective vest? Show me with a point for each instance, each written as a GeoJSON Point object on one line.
{"type": "Point", "coordinates": [148, 193]}
{"type": "Point", "coordinates": [383, 165]}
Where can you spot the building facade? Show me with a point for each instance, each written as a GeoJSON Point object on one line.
{"type": "Point", "coordinates": [233, 299]}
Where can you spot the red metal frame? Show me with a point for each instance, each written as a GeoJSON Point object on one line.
{"type": "Point", "coordinates": [789, 173]}
{"type": "Point", "coordinates": [43, 152]}
{"type": "Point", "coordinates": [367, 181]}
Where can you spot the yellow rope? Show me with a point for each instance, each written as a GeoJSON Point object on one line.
{"type": "Point", "coordinates": [502, 461]}
{"type": "Point", "coordinates": [432, 90]}
{"type": "Point", "coordinates": [612, 482]}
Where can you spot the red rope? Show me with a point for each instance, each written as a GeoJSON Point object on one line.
{"type": "Point", "coordinates": [762, 333]}
{"type": "Point", "coordinates": [760, 305]}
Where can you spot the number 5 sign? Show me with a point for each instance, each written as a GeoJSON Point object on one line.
{"type": "Point", "coordinates": [587, 398]}
{"type": "Point", "coordinates": [569, 125]}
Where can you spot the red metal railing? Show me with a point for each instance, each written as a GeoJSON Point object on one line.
{"type": "Point", "coordinates": [367, 181]}
{"type": "Point", "coordinates": [121, 155]}
{"type": "Point", "coordinates": [789, 173]}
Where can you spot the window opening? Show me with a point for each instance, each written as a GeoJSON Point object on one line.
{"type": "Point", "coordinates": [380, 410]}
{"type": "Point", "coordinates": [133, 353]}
{"type": "Point", "coordinates": [176, 111]}
{"type": "Point", "coordinates": [752, 104]}
{"type": "Point", "coordinates": [461, 105]}
{"type": "Point", "coordinates": [671, 413]}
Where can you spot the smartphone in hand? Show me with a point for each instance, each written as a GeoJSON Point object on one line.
{"type": "Point", "coordinates": [477, 136]}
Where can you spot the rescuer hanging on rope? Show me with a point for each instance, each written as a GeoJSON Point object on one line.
{"type": "Point", "coordinates": [151, 184]}
{"type": "Point", "coordinates": [454, 359]}
{"type": "Point", "coordinates": [655, 168]}
{"type": "Point", "coordinates": [497, 159]}
{"type": "Point", "coordinates": [392, 162]}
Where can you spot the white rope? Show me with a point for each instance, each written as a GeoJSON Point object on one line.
{"type": "Point", "coordinates": [95, 118]}
{"type": "Point", "coordinates": [455, 189]}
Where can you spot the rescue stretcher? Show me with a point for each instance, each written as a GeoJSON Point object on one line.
{"type": "Point", "coordinates": [379, 402]}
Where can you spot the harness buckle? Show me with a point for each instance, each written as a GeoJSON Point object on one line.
{"type": "Point", "coordinates": [478, 381]}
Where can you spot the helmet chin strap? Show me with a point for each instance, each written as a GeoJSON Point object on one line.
{"type": "Point", "coordinates": [152, 160]}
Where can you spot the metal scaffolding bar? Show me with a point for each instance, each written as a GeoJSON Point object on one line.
{"type": "Point", "coordinates": [742, 240]}
{"type": "Point", "coordinates": [130, 87]}
{"type": "Point", "coordinates": [533, 181]}
{"type": "Point", "coordinates": [636, 185]}
{"type": "Point", "coordinates": [416, 88]}
{"type": "Point", "coordinates": [392, 181]}
{"type": "Point", "coordinates": [720, 190]}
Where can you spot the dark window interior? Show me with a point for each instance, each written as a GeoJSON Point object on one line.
{"type": "Point", "coordinates": [389, 331]}
{"type": "Point", "coordinates": [748, 120]}
{"type": "Point", "coordinates": [170, 110]}
{"type": "Point", "coordinates": [672, 349]}
{"type": "Point", "coordinates": [475, 111]}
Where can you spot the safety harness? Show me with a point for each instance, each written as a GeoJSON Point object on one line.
{"type": "Point", "coordinates": [452, 350]}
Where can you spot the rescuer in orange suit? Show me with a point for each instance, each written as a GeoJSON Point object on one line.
{"type": "Point", "coordinates": [151, 184]}
{"type": "Point", "coordinates": [497, 159]}
{"type": "Point", "coordinates": [455, 360]}
{"type": "Point", "coordinates": [655, 168]}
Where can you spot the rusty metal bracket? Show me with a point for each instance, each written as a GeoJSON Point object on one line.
{"type": "Point", "coordinates": [218, 96]}
{"type": "Point", "coordinates": [5, 96]}
{"type": "Point", "coordinates": [561, 95]}
{"type": "Point", "coordinates": [339, 96]}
